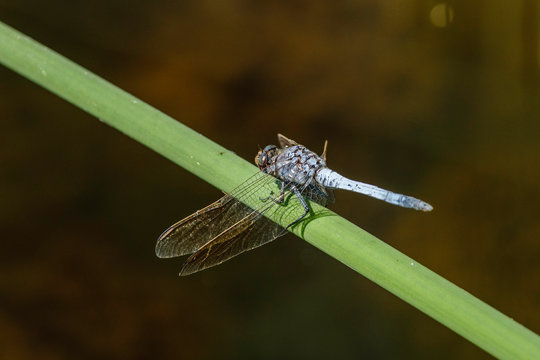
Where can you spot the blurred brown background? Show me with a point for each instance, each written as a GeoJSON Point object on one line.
{"type": "Point", "coordinates": [435, 100]}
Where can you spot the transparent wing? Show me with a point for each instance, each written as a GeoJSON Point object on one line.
{"type": "Point", "coordinates": [285, 142]}
{"type": "Point", "coordinates": [190, 234]}
{"type": "Point", "coordinates": [227, 227]}
{"type": "Point", "coordinates": [250, 232]}
{"type": "Point", "coordinates": [319, 194]}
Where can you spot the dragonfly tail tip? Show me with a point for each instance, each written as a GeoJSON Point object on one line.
{"type": "Point", "coordinates": [426, 207]}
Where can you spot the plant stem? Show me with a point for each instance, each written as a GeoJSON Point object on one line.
{"type": "Point", "coordinates": [452, 306]}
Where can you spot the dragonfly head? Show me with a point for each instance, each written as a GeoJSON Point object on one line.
{"type": "Point", "coordinates": [266, 156]}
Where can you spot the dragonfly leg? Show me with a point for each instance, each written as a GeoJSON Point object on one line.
{"type": "Point", "coordinates": [304, 205]}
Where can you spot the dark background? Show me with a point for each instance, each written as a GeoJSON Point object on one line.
{"type": "Point", "coordinates": [436, 101]}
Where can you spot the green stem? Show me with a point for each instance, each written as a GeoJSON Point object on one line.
{"type": "Point", "coordinates": [460, 311]}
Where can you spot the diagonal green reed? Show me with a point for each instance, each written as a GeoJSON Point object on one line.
{"type": "Point", "coordinates": [452, 306]}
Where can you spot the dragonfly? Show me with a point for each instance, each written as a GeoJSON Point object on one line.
{"type": "Point", "coordinates": [229, 227]}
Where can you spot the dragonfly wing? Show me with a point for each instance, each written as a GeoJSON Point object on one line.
{"type": "Point", "coordinates": [188, 235]}
{"type": "Point", "coordinates": [318, 194]}
{"type": "Point", "coordinates": [285, 142]}
{"type": "Point", "coordinates": [331, 197]}
{"type": "Point", "coordinates": [191, 233]}
{"type": "Point", "coordinates": [250, 232]}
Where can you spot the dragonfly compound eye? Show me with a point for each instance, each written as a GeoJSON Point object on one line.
{"type": "Point", "coordinates": [258, 159]}
{"type": "Point", "coordinates": [264, 157]}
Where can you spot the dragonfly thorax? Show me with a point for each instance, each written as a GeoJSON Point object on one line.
{"type": "Point", "coordinates": [295, 164]}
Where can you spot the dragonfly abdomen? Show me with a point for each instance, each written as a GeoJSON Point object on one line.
{"type": "Point", "coordinates": [331, 179]}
